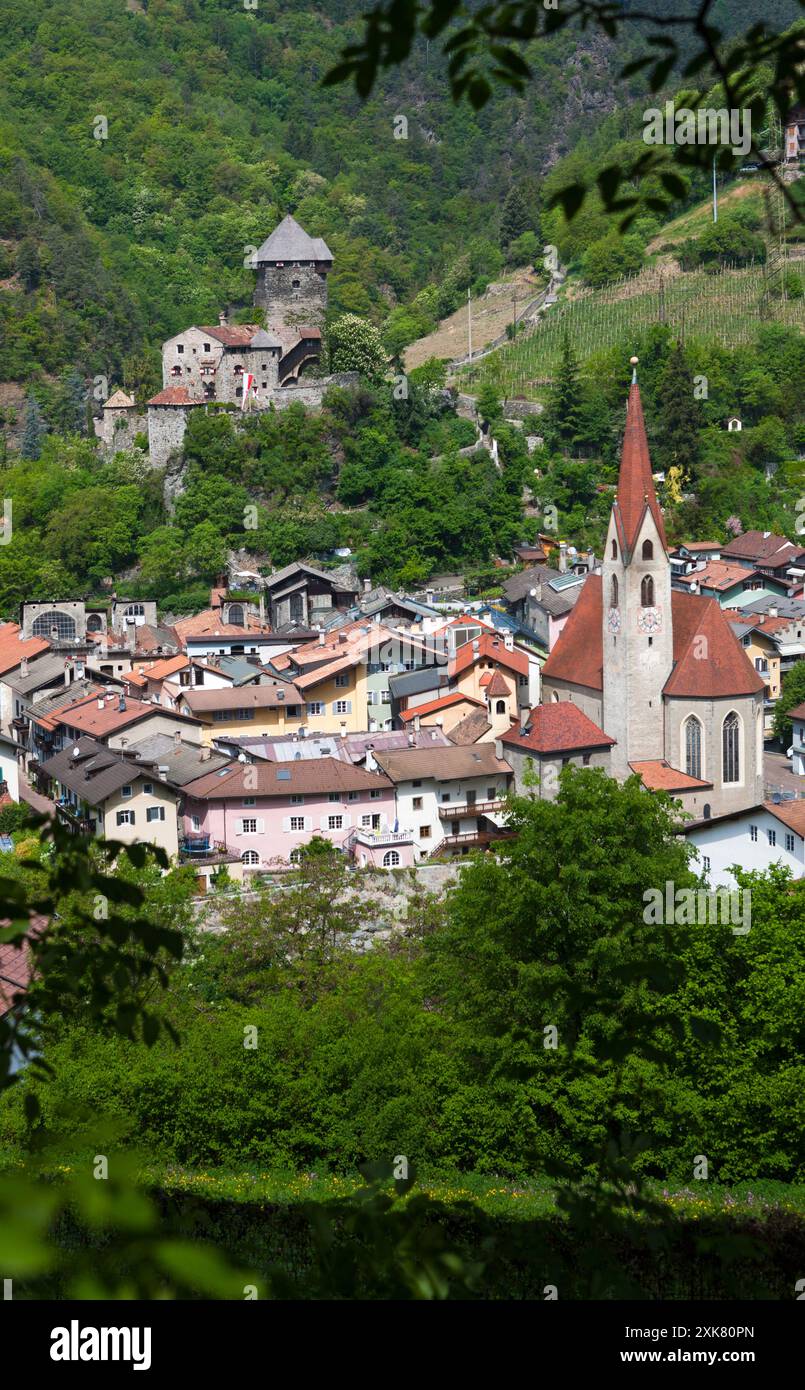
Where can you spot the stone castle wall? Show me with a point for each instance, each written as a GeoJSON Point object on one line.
{"type": "Point", "coordinates": [118, 429]}
{"type": "Point", "coordinates": [299, 305]}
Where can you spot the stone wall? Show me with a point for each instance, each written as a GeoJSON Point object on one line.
{"type": "Point", "coordinates": [166, 431]}
{"type": "Point", "coordinates": [118, 429]}
{"type": "Point", "coordinates": [294, 295]}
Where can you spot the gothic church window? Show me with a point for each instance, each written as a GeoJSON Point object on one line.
{"type": "Point", "coordinates": [613, 600]}
{"type": "Point", "coordinates": [730, 742]}
{"type": "Point", "coordinates": [693, 747]}
{"type": "Point", "coordinates": [614, 550]}
{"type": "Point", "coordinates": [648, 550]}
{"type": "Point", "coordinates": [647, 592]}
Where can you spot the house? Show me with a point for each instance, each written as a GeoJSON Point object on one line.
{"type": "Point", "coordinates": [351, 748]}
{"type": "Point", "coordinates": [797, 717]}
{"type": "Point", "coordinates": [266, 811]}
{"type": "Point", "coordinates": [445, 712]}
{"type": "Point", "coordinates": [267, 708]}
{"type": "Point", "coordinates": [207, 634]}
{"type": "Point", "coordinates": [98, 792]}
{"type": "Point", "coordinates": [764, 551]}
{"type": "Point", "coordinates": [300, 595]}
{"type": "Point", "coordinates": [730, 584]}
{"type": "Point", "coordinates": [691, 555]}
{"type": "Point", "coordinates": [659, 670]}
{"type": "Point", "coordinates": [548, 739]}
{"type": "Point", "coordinates": [542, 599]}
{"type": "Point", "coordinates": [761, 638]}
{"type": "Point", "coordinates": [475, 661]}
{"type": "Point", "coordinates": [173, 760]}
{"type": "Point", "coordinates": [795, 134]}
{"type": "Point", "coordinates": [9, 769]}
{"type": "Point", "coordinates": [452, 799]}
{"type": "Point", "coordinates": [753, 838]}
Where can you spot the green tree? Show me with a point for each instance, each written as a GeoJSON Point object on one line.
{"type": "Point", "coordinates": [163, 559]}
{"type": "Point", "coordinates": [206, 550]}
{"type": "Point", "coordinates": [34, 430]}
{"type": "Point", "coordinates": [678, 417]}
{"type": "Point", "coordinates": [514, 217]}
{"type": "Point", "coordinates": [563, 411]}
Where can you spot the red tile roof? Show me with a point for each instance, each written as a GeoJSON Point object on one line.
{"type": "Point", "coordinates": [175, 395]}
{"type": "Point", "coordinates": [708, 659]}
{"type": "Point", "coordinates": [443, 702]}
{"type": "Point", "coordinates": [12, 650]}
{"type": "Point", "coordinates": [635, 483]}
{"type": "Point", "coordinates": [558, 728]}
{"type": "Point", "coordinates": [717, 574]}
{"type": "Point", "coordinates": [498, 685]}
{"type": "Point", "coordinates": [89, 719]}
{"type": "Point", "coordinates": [231, 335]}
{"type": "Point", "coordinates": [762, 545]}
{"type": "Point", "coordinates": [208, 624]}
{"type": "Point", "coordinates": [490, 648]}
{"type": "Point", "coordinates": [659, 776]}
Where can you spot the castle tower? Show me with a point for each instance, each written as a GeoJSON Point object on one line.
{"type": "Point", "coordinates": [637, 627]}
{"type": "Point", "coordinates": [292, 270]}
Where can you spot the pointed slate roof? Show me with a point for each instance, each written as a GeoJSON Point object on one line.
{"type": "Point", "coordinates": [498, 685]}
{"type": "Point", "coordinates": [290, 242]}
{"type": "Point", "coordinates": [635, 483]}
{"type": "Point", "coordinates": [118, 401]}
{"type": "Point", "coordinates": [262, 339]}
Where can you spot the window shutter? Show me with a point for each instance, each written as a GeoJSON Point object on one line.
{"type": "Point", "coordinates": [238, 827]}
{"type": "Point", "coordinates": [261, 825]}
{"type": "Point", "coordinates": [286, 822]}
{"type": "Point", "coordinates": [131, 817]}
{"type": "Point", "coordinates": [349, 706]}
{"type": "Point", "coordinates": [347, 820]}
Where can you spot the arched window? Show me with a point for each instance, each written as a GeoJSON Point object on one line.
{"type": "Point", "coordinates": [730, 745]}
{"type": "Point", "coordinates": [614, 550]}
{"type": "Point", "coordinates": [236, 614]}
{"type": "Point", "coordinates": [500, 707]}
{"type": "Point", "coordinates": [391, 859]}
{"type": "Point", "coordinates": [94, 622]}
{"type": "Point", "coordinates": [613, 592]}
{"type": "Point", "coordinates": [648, 550]}
{"type": "Point", "coordinates": [693, 747]}
{"type": "Point", "coordinates": [647, 592]}
{"type": "Point", "coordinates": [250, 856]}
{"type": "Point", "coordinates": [52, 624]}
{"type": "Point", "coordinates": [134, 610]}
{"type": "Point", "coordinates": [555, 697]}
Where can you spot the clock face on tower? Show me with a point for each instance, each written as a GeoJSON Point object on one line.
{"type": "Point", "coordinates": [649, 620]}
{"type": "Point", "coordinates": [614, 620]}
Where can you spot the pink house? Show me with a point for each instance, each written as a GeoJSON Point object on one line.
{"type": "Point", "coordinates": [265, 811]}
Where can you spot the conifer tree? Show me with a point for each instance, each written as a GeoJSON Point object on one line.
{"type": "Point", "coordinates": [514, 218]}
{"type": "Point", "coordinates": [34, 431]}
{"type": "Point", "coordinates": [678, 417]}
{"type": "Point", "coordinates": [563, 414]}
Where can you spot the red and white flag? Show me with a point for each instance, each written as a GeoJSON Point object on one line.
{"type": "Point", "coordinates": [248, 388]}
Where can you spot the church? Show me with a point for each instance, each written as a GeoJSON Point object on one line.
{"type": "Point", "coordinates": [658, 670]}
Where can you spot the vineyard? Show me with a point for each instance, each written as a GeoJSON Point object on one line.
{"type": "Point", "coordinates": [729, 307]}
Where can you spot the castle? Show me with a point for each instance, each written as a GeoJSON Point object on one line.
{"type": "Point", "coordinates": [249, 365]}
{"type": "Point", "coordinates": [660, 671]}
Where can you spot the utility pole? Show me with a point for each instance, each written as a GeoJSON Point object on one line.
{"type": "Point", "coordinates": [514, 321]}
{"type": "Point", "coordinates": [715, 192]}
{"type": "Point", "coordinates": [469, 322]}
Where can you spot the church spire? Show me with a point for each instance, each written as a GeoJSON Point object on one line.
{"type": "Point", "coordinates": [635, 483]}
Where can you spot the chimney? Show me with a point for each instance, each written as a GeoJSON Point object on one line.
{"type": "Point", "coordinates": [411, 740]}
{"type": "Point", "coordinates": [367, 586]}
{"type": "Point", "coordinates": [68, 671]}
{"type": "Point", "coordinates": [563, 557]}
{"type": "Point", "coordinates": [121, 704]}
{"type": "Point", "coordinates": [205, 755]}
{"type": "Point", "coordinates": [508, 641]}
{"type": "Point", "coordinates": [101, 704]}
{"type": "Point", "coordinates": [773, 610]}
{"type": "Point", "coordinates": [24, 667]}
{"type": "Point", "coordinates": [416, 723]}
{"type": "Point", "coordinates": [177, 740]}
{"type": "Point", "coordinates": [371, 762]}
{"type": "Point", "coordinates": [499, 749]}
{"type": "Point", "coordinates": [429, 597]}
{"type": "Point", "coordinates": [321, 639]}
{"type": "Point", "coordinates": [223, 319]}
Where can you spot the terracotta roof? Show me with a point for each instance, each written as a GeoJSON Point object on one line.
{"type": "Point", "coordinates": [498, 685]}
{"type": "Point", "coordinates": [558, 728]}
{"type": "Point", "coordinates": [791, 813]}
{"type": "Point", "coordinates": [283, 779]}
{"type": "Point", "coordinates": [15, 969]}
{"type": "Point", "coordinates": [490, 648]}
{"type": "Point", "coordinates": [166, 667]}
{"type": "Point", "coordinates": [243, 697]}
{"type": "Point", "coordinates": [444, 702]}
{"type": "Point", "coordinates": [714, 666]}
{"type": "Point", "coordinates": [717, 574]}
{"type": "Point", "coordinates": [442, 764]}
{"type": "Point", "coordinates": [471, 728]}
{"type": "Point", "coordinates": [208, 624]}
{"type": "Point", "coordinates": [12, 650]}
{"type": "Point", "coordinates": [231, 335]}
{"type": "Point", "coordinates": [659, 776]}
{"type": "Point", "coordinates": [175, 395]}
{"type": "Point", "coordinates": [797, 713]}
{"type": "Point", "coordinates": [762, 545]}
{"type": "Point", "coordinates": [697, 545]}
{"type": "Point", "coordinates": [635, 483]}
{"type": "Point", "coordinates": [89, 719]}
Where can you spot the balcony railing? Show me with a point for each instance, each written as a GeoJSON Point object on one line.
{"type": "Point", "coordinates": [377, 838]}
{"type": "Point", "coordinates": [201, 849]}
{"type": "Point", "coordinates": [454, 810]}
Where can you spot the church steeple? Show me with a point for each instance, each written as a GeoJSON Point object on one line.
{"type": "Point", "coordinates": [635, 482]}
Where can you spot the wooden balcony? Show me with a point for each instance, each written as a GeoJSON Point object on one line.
{"type": "Point", "coordinates": [458, 810]}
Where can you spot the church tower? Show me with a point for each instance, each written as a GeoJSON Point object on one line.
{"type": "Point", "coordinates": [637, 626]}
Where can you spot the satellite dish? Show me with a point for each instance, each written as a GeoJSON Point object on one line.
{"type": "Point", "coordinates": [76, 752]}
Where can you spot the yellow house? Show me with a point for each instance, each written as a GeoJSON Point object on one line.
{"type": "Point", "coordinates": [758, 639]}
{"type": "Point", "coordinates": [258, 710]}
{"type": "Point", "coordinates": [335, 696]}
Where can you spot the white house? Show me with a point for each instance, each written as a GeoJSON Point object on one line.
{"type": "Point", "coordinates": [798, 740]}
{"type": "Point", "coordinates": [753, 839]}
{"type": "Point", "coordinates": [452, 799]}
{"type": "Point", "coordinates": [9, 768]}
